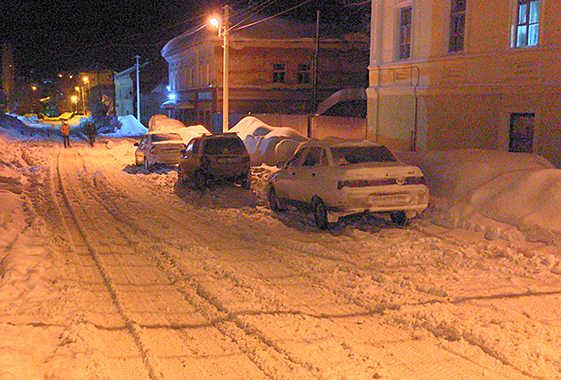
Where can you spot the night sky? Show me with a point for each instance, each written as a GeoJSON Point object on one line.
{"type": "Point", "coordinates": [65, 35]}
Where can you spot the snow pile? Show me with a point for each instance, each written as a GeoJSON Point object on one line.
{"type": "Point", "coordinates": [267, 144]}
{"type": "Point", "coordinates": [188, 133]}
{"type": "Point", "coordinates": [23, 257]}
{"type": "Point", "coordinates": [504, 194]}
{"type": "Point", "coordinates": [163, 123]}
{"type": "Point", "coordinates": [129, 126]}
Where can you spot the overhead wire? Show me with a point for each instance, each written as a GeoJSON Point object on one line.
{"type": "Point", "coordinates": [271, 17]}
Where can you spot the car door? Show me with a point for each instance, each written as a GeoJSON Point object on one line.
{"type": "Point", "coordinates": [288, 182]}
{"type": "Point", "coordinates": [140, 153]}
{"type": "Point", "coordinates": [312, 176]}
{"type": "Point", "coordinates": [189, 162]}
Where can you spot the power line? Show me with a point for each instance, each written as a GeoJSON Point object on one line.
{"type": "Point", "coordinates": [271, 17]}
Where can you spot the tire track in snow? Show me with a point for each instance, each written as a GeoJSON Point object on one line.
{"type": "Point", "coordinates": [73, 227]}
{"type": "Point", "coordinates": [257, 350]}
{"type": "Point", "coordinates": [311, 252]}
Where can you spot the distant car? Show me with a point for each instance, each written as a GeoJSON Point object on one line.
{"type": "Point", "coordinates": [158, 148]}
{"type": "Point", "coordinates": [334, 178]}
{"type": "Point", "coordinates": [215, 157]}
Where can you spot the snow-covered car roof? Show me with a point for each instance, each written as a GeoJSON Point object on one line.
{"type": "Point", "coordinates": [339, 142]}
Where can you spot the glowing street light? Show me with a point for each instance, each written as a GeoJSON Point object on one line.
{"type": "Point", "coordinates": [74, 99]}
{"type": "Point", "coordinates": [223, 31]}
{"type": "Point", "coordinates": [87, 80]}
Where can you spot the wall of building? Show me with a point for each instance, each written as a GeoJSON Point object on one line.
{"type": "Point", "coordinates": [464, 100]}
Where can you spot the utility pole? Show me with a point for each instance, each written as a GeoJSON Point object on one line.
{"type": "Point", "coordinates": [226, 74]}
{"type": "Point", "coordinates": [138, 88]}
{"type": "Point", "coordinates": [316, 54]}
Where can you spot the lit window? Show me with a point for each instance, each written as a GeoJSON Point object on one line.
{"type": "Point", "coordinates": [405, 19]}
{"type": "Point", "coordinates": [279, 73]}
{"type": "Point", "coordinates": [527, 22]}
{"type": "Point", "coordinates": [457, 25]}
{"type": "Point", "coordinates": [303, 73]}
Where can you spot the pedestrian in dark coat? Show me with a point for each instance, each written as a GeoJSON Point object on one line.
{"type": "Point", "coordinates": [91, 132]}
{"type": "Point", "coordinates": [65, 130]}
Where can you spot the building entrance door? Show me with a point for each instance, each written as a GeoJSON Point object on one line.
{"type": "Point", "coordinates": [521, 133]}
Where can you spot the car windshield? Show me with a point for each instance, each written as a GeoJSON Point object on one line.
{"type": "Point", "coordinates": [221, 146]}
{"type": "Point", "coordinates": [348, 155]}
{"type": "Point", "coordinates": [166, 137]}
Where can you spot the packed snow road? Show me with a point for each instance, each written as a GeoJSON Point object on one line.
{"type": "Point", "coordinates": [156, 281]}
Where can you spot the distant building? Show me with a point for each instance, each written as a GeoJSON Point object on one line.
{"type": "Point", "coordinates": [125, 92]}
{"type": "Point", "coordinates": [272, 70]}
{"type": "Point", "coordinates": [152, 91]}
{"type": "Point", "coordinates": [447, 74]}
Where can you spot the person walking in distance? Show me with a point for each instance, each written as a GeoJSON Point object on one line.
{"type": "Point", "coordinates": [91, 132]}
{"type": "Point", "coordinates": [65, 130]}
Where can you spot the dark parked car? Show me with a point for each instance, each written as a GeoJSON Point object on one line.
{"type": "Point", "coordinates": [212, 158]}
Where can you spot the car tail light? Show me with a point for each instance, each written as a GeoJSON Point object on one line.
{"type": "Point", "coordinates": [414, 180]}
{"type": "Point", "coordinates": [380, 182]}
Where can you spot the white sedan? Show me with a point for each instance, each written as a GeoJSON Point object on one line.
{"type": "Point", "coordinates": [158, 148]}
{"type": "Point", "coordinates": [334, 178]}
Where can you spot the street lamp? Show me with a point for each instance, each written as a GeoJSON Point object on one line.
{"type": "Point", "coordinates": [74, 99]}
{"type": "Point", "coordinates": [223, 31]}
{"type": "Point", "coordinates": [80, 90]}
{"type": "Point", "coordinates": [87, 80]}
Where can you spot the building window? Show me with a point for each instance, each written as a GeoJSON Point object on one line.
{"type": "Point", "coordinates": [527, 22]}
{"type": "Point", "coordinates": [279, 73]}
{"type": "Point", "coordinates": [405, 18]}
{"type": "Point", "coordinates": [303, 73]}
{"type": "Point", "coordinates": [457, 25]}
{"type": "Point", "coordinates": [521, 132]}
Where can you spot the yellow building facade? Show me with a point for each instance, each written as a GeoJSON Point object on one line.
{"type": "Point", "coordinates": [452, 74]}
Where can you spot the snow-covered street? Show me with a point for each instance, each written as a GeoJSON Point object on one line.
{"type": "Point", "coordinates": [108, 271]}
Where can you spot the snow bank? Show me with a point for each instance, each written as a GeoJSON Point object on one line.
{"type": "Point", "coordinates": [129, 126]}
{"type": "Point", "coordinates": [267, 144]}
{"type": "Point", "coordinates": [504, 194]}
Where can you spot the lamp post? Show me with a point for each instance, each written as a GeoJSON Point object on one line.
{"type": "Point", "coordinates": [223, 31]}
{"type": "Point", "coordinates": [87, 80]}
{"type": "Point", "coordinates": [80, 90]}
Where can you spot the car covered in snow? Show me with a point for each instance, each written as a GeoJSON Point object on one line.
{"type": "Point", "coordinates": [215, 157]}
{"type": "Point", "coordinates": [159, 148]}
{"type": "Point", "coordinates": [333, 178]}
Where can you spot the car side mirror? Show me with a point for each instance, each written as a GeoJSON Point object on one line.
{"type": "Point", "coordinates": [136, 144]}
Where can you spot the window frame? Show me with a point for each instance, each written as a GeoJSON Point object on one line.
{"type": "Point", "coordinates": [456, 37]}
{"type": "Point", "coordinates": [279, 75]}
{"type": "Point", "coordinates": [525, 24]}
{"type": "Point", "coordinates": [400, 54]}
{"type": "Point", "coordinates": [303, 75]}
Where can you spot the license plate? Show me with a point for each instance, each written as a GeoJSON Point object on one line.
{"type": "Point", "coordinates": [385, 200]}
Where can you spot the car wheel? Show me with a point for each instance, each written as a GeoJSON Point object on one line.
{"type": "Point", "coordinates": [274, 202]}
{"type": "Point", "coordinates": [180, 176]}
{"type": "Point", "coordinates": [147, 165]}
{"type": "Point", "coordinates": [399, 218]}
{"type": "Point", "coordinates": [199, 180]}
{"type": "Point", "coordinates": [246, 182]}
{"type": "Point", "coordinates": [320, 214]}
